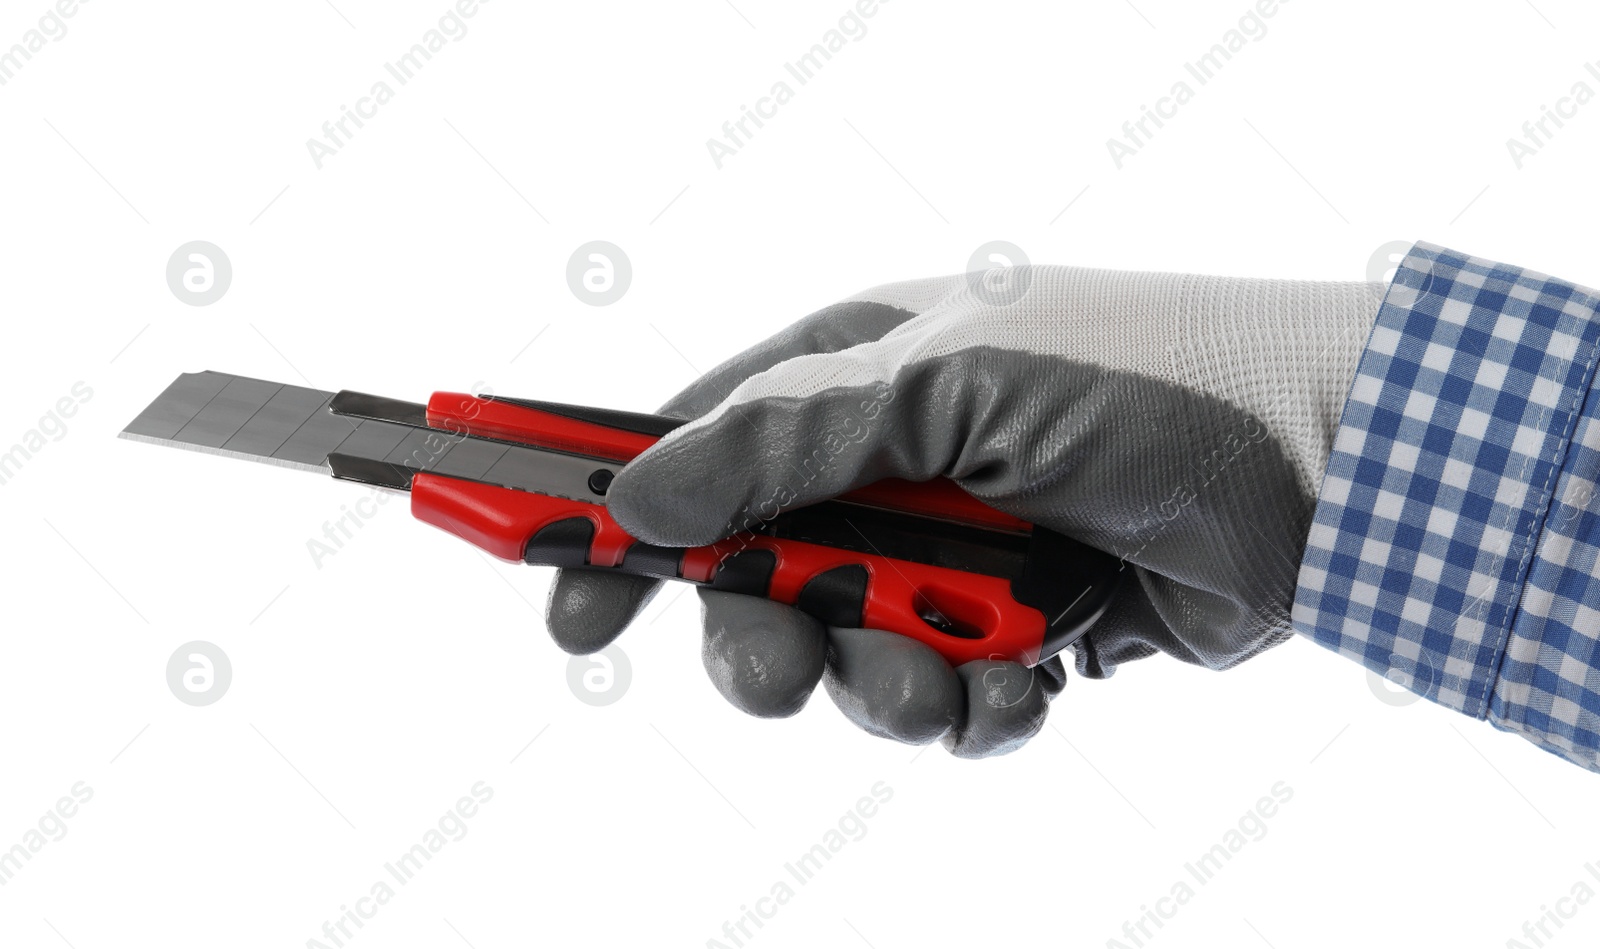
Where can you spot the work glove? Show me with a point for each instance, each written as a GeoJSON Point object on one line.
{"type": "Point", "coordinates": [1179, 422]}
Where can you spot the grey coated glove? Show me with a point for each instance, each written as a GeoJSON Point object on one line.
{"type": "Point", "coordinates": [1179, 422]}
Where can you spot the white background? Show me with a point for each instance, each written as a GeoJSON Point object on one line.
{"type": "Point", "coordinates": [371, 692]}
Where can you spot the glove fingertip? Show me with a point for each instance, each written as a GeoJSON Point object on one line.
{"type": "Point", "coordinates": [763, 657]}
{"type": "Point", "coordinates": [892, 686]}
{"type": "Point", "coordinates": [661, 499]}
{"type": "Point", "coordinates": [1006, 705]}
{"type": "Point", "coordinates": [587, 609]}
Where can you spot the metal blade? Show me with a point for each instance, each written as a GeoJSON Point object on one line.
{"type": "Point", "coordinates": [296, 427]}
{"type": "Point", "coordinates": [244, 418]}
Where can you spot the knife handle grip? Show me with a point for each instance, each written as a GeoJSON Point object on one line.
{"type": "Point", "coordinates": [963, 615]}
{"type": "Point", "coordinates": [1048, 593]}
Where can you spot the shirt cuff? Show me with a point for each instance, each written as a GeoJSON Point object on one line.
{"type": "Point", "coordinates": [1435, 525]}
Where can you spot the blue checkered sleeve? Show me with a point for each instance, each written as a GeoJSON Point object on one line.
{"type": "Point", "coordinates": [1454, 544]}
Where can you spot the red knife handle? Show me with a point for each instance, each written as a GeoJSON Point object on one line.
{"type": "Point", "coordinates": [963, 615]}
{"type": "Point", "coordinates": [1026, 593]}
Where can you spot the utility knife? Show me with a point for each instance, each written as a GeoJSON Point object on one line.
{"type": "Point", "coordinates": [526, 481]}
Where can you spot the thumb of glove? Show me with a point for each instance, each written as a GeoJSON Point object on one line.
{"type": "Point", "coordinates": [784, 438]}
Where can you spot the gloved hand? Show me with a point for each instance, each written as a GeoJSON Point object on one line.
{"type": "Point", "coordinates": [1180, 422]}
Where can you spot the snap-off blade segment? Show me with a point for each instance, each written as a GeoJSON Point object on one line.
{"type": "Point", "coordinates": [292, 426]}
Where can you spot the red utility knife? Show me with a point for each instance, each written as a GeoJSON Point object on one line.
{"type": "Point", "coordinates": [526, 481]}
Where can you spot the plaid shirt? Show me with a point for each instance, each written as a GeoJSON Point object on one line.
{"type": "Point", "coordinates": [1455, 539]}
